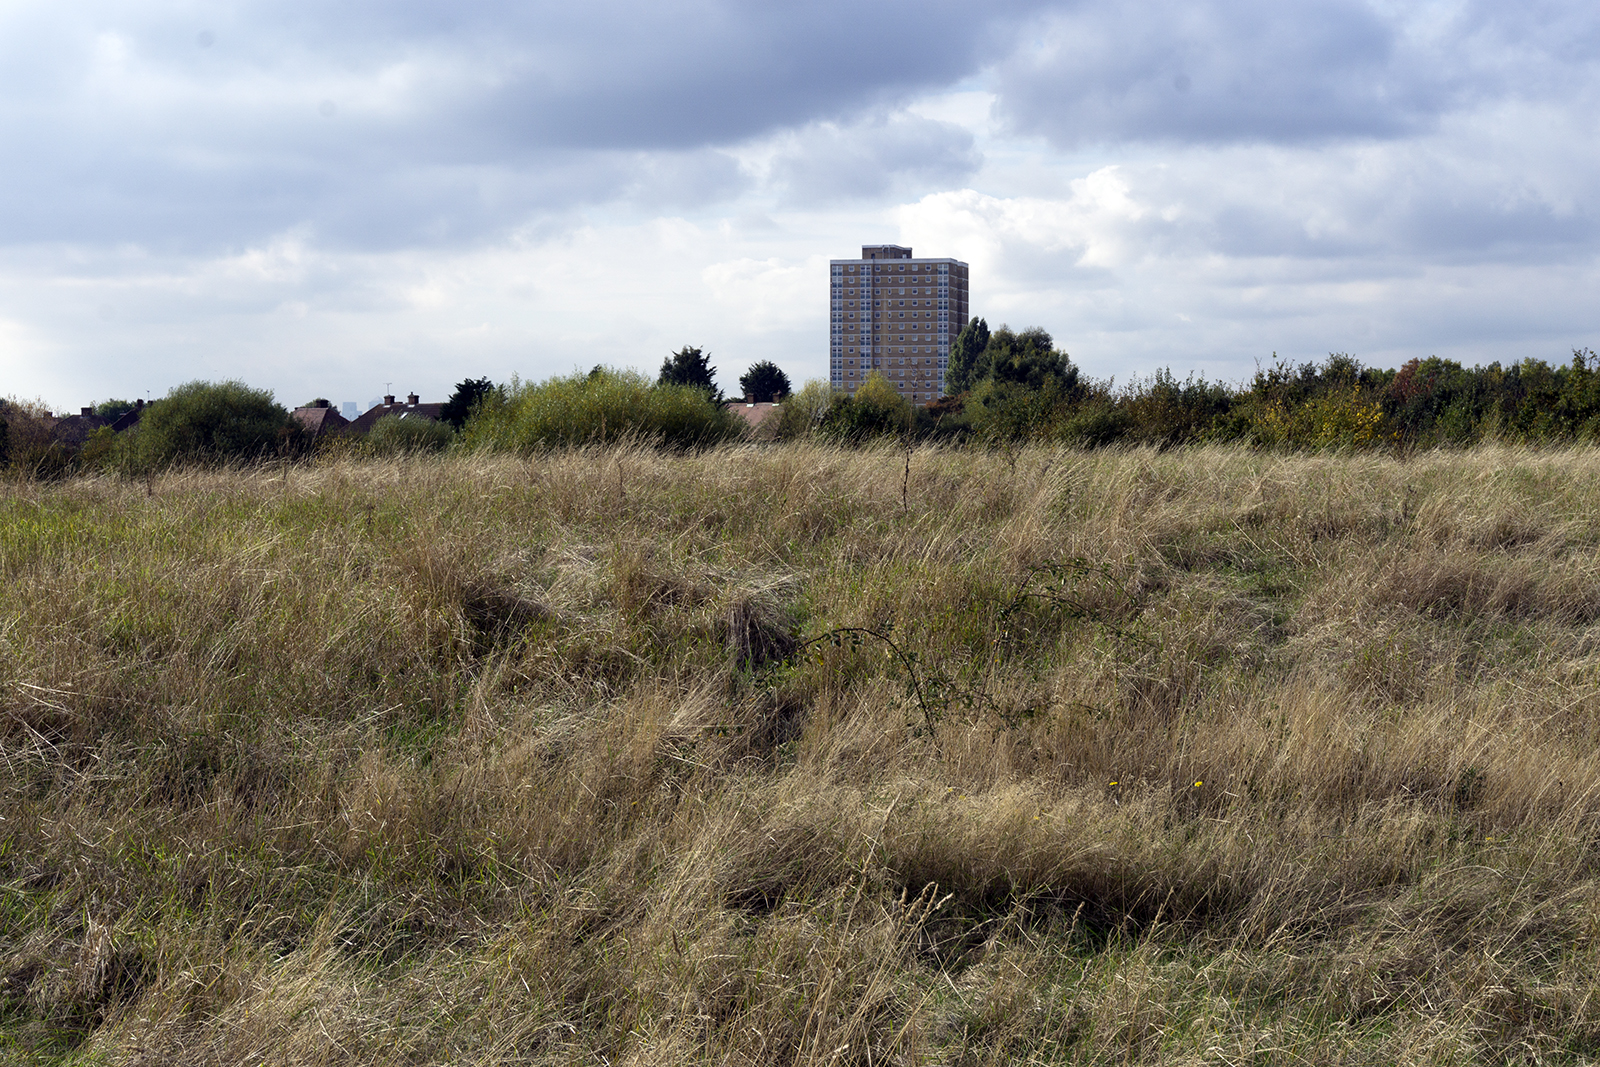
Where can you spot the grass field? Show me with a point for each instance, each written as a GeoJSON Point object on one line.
{"type": "Point", "coordinates": [805, 755]}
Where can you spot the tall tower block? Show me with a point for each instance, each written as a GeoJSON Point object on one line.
{"type": "Point", "coordinates": [896, 314]}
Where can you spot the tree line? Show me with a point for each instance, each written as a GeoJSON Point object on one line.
{"type": "Point", "coordinates": [231, 422]}
{"type": "Point", "coordinates": [1004, 386]}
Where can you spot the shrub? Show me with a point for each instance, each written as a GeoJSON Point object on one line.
{"type": "Point", "coordinates": [99, 449]}
{"type": "Point", "coordinates": [1095, 424]}
{"type": "Point", "coordinates": [397, 435]}
{"type": "Point", "coordinates": [1164, 411]}
{"type": "Point", "coordinates": [1011, 411]}
{"type": "Point", "coordinates": [603, 405]}
{"type": "Point", "coordinates": [27, 445]}
{"type": "Point", "coordinates": [876, 410]}
{"type": "Point", "coordinates": [802, 413]}
{"type": "Point", "coordinates": [209, 422]}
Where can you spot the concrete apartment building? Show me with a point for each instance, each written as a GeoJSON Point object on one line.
{"type": "Point", "coordinates": [895, 314]}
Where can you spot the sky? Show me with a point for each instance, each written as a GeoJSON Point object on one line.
{"type": "Point", "coordinates": [342, 198]}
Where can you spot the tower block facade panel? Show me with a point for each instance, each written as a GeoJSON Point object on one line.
{"type": "Point", "coordinates": [896, 314]}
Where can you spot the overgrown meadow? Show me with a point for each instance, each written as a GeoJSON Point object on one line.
{"type": "Point", "coordinates": [804, 754]}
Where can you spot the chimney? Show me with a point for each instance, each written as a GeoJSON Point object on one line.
{"type": "Point", "coordinates": [411, 401]}
{"type": "Point", "coordinates": [775, 398]}
{"type": "Point", "coordinates": [88, 411]}
{"type": "Point", "coordinates": [388, 400]}
{"type": "Point", "coordinates": [138, 405]}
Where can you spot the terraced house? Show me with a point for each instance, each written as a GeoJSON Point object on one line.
{"type": "Point", "coordinates": [894, 313]}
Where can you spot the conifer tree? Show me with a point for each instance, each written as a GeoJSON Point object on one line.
{"type": "Point", "coordinates": [690, 366]}
{"type": "Point", "coordinates": [764, 381]}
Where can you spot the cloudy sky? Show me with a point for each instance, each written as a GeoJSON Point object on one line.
{"type": "Point", "coordinates": [328, 197]}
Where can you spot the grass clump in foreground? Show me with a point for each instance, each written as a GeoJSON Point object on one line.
{"type": "Point", "coordinates": [800, 755]}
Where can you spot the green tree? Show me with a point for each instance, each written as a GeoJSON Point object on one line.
{"type": "Point", "coordinates": [112, 410]}
{"type": "Point", "coordinates": [211, 422]}
{"type": "Point", "coordinates": [467, 396]}
{"type": "Point", "coordinates": [1028, 359]}
{"type": "Point", "coordinates": [966, 358]}
{"type": "Point", "coordinates": [690, 366]}
{"type": "Point", "coordinates": [1020, 386]}
{"type": "Point", "coordinates": [764, 381]}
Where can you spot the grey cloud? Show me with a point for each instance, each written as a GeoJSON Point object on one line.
{"type": "Point", "coordinates": [389, 123]}
{"type": "Point", "coordinates": [1505, 232]}
{"type": "Point", "coordinates": [1215, 72]}
{"type": "Point", "coordinates": [226, 202]}
{"type": "Point", "coordinates": [828, 162]}
{"type": "Point", "coordinates": [1429, 212]}
{"type": "Point", "coordinates": [1534, 46]}
{"type": "Point", "coordinates": [1435, 221]}
{"type": "Point", "coordinates": [684, 179]}
{"type": "Point", "coordinates": [629, 74]}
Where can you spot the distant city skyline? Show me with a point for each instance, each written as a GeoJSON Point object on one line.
{"type": "Point", "coordinates": [318, 199]}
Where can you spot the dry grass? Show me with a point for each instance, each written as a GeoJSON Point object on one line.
{"type": "Point", "coordinates": [1204, 756]}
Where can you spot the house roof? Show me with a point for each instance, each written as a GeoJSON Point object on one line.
{"type": "Point", "coordinates": [363, 423]}
{"type": "Point", "coordinates": [130, 417]}
{"type": "Point", "coordinates": [74, 430]}
{"type": "Point", "coordinates": [754, 413]}
{"type": "Point", "coordinates": [319, 420]}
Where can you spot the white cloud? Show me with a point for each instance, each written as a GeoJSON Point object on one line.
{"type": "Point", "coordinates": [769, 294]}
{"type": "Point", "coordinates": [25, 346]}
{"type": "Point", "coordinates": [1090, 228]}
